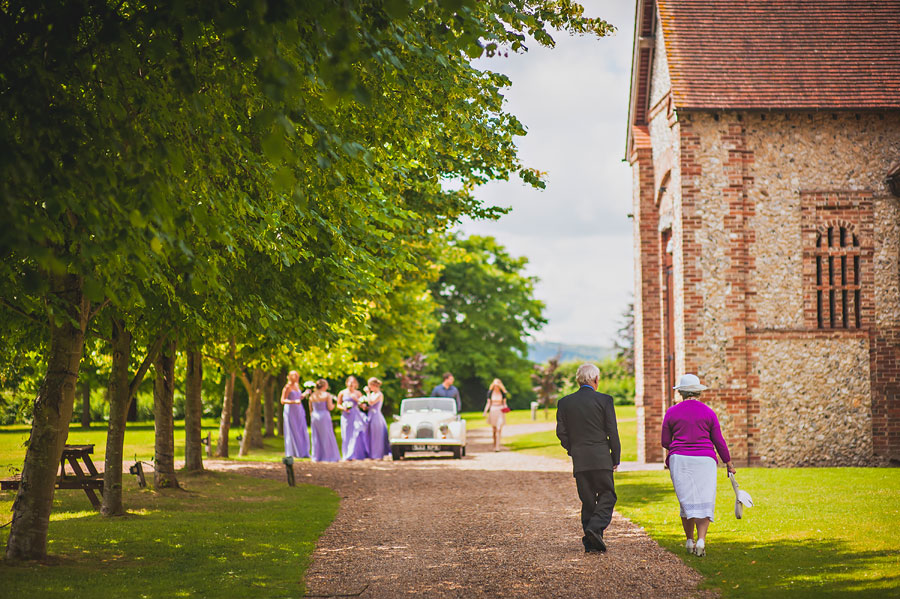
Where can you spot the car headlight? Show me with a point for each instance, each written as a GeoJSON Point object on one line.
{"type": "Point", "coordinates": [406, 430]}
{"type": "Point", "coordinates": [444, 430]}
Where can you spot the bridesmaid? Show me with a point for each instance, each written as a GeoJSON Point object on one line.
{"type": "Point", "coordinates": [379, 446]}
{"type": "Point", "coordinates": [354, 436]}
{"type": "Point", "coordinates": [296, 434]}
{"type": "Point", "coordinates": [324, 445]}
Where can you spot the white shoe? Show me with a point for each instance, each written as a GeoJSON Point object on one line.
{"type": "Point", "coordinates": [700, 548]}
{"type": "Point", "coordinates": [689, 545]}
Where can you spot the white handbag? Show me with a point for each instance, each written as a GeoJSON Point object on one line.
{"type": "Point", "coordinates": [742, 498]}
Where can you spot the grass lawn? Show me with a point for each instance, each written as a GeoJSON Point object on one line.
{"type": "Point", "coordinates": [813, 532]}
{"type": "Point", "coordinates": [138, 442]}
{"type": "Point", "coordinates": [546, 443]}
{"type": "Point", "coordinates": [225, 535]}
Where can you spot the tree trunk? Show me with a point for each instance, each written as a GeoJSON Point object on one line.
{"type": "Point", "coordinates": [252, 431]}
{"type": "Point", "coordinates": [50, 424]}
{"type": "Point", "coordinates": [86, 404]}
{"type": "Point", "coordinates": [256, 439]}
{"type": "Point", "coordinates": [193, 411]}
{"type": "Point", "coordinates": [119, 398]}
{"type": "Point", "coordinates": [132, 415]}
{"type": "Point", "coordinates": [279, 409]}
{"type": "Point", "coordinates": [121, 392]}
{"type": "Point", "coordinates": [164, 422]}
{"type": "Point", "coordinates": [279, 418]}
{"type": "Point", "coordinates": [269, 406]}
{"type": "Point", "coordinates": [225, 418]}
{"type": "Point", "coordinates": [235, 414]}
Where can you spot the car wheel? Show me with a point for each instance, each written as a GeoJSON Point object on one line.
{"type": "Point", "coordinates": [464, 451]}
{"type": "Point", "coordinates": [457, 452]}
{"type": "Point", "coordinates": [396, 453]}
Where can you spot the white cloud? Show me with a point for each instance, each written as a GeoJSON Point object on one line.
{"type": "Point", "coordinates": [573, 100]}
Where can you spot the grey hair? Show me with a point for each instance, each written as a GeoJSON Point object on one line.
{"type": "Point", "coordinates": [689, 394]}
{"type": "Point", "coordinates": [587, 374]}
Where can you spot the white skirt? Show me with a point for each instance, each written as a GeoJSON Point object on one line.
{"type": "Point", "coordinates": [694, 478]}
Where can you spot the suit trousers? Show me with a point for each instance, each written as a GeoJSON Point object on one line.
{"type": "Point", "coordinates": [597, 492]}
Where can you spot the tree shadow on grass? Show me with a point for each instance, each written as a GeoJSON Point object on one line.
{"type": "Point", "coordinates": [798, 568]}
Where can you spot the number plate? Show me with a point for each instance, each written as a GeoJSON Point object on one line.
{"type": "Point", "coordinates": [426, 447]}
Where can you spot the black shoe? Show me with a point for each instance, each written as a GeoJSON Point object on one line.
{"type": "Point", "coordinates": [588, 547]}
{"type": "Point", "coordinates": [596, 540]}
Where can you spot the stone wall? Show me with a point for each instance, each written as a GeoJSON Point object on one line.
{"type": "Point", "coordinates": [814, 401]}
{"type": "Point", "coordinates": [741, 248]}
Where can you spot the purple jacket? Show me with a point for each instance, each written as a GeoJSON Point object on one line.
{"type": "Point", "coordinates": [692, 428]}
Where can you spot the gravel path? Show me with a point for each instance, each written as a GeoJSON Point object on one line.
{"type": "Point", "coordinates": [490, 525]}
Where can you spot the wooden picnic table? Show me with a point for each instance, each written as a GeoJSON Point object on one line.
{"type": "Point", "coordinates": [75, 455]}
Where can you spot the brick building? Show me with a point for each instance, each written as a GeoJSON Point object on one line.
{"type": "Point", "coordinates": [764, 138]}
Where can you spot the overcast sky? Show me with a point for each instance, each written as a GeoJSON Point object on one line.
{"type": "Point", "coordinates": [573, 101]}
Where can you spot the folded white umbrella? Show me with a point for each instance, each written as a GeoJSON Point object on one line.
{"type": "Point", "coordinates": [742, 498]}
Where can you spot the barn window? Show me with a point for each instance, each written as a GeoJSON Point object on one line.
{"type": "Point", "coordinates": [838, 277]}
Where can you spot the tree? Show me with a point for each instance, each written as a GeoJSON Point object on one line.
{"type": "Point", "coordinates": [121, 391]}
{"type": "Point", "coordinates": [181, 146]}
{"type": "Point", "coordinates": [624, 345]}
{"type": "Point", "coordinates": [614, 379]}
{"type": "Point", "coordinates": [487, 310]}
{"type": "Point", "coordinates": [412, 379]}
{"type": "Point", "coordinates": [52, 413]}
{"type": "Point", "coordinates": [164, 424]}
{"type": "Point", "coordinates": [546, 379]}
{"type": "Point", "coordinates": [193, 412]}
{"type": "Point", "coordinates": [228, 398]}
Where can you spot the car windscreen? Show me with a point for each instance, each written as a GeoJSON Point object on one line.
{"type": "Point", "coordinates": [428, 404]}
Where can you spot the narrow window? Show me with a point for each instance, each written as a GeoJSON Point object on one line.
{"type": "Point", "coordinates": [837, 281]}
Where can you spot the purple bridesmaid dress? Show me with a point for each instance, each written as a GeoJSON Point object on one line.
{"type": "Point", "coordinates": [324, 445]}
{"type": "Point", "coordinates": [379, 446]}
{"type": "Point", "coordinates": [354, 433]}
{"type": "Point", "coordinates": [296, 435]}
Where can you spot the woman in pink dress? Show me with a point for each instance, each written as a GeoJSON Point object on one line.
{"type": "Point", "coordinates": [495, 409]}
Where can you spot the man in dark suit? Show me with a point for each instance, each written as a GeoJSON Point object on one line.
{"type": "Point", "coordinates": [586, 427]}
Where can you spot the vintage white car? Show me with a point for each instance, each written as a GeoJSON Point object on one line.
{"type": "Point", "coordinates": [428, 424]}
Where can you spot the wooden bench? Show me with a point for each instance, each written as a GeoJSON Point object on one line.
{"type": "Point", "coordinates": [74, 455]}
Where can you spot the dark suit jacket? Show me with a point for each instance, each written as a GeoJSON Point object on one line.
{"type": "Point", "coordinates": [586, 427]}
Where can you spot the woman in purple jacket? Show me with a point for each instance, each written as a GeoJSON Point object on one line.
{"type": "Point", "coordinates": [691, 433]}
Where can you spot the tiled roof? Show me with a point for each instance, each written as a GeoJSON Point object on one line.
{"type": "Point", "coordinates": [783, 55]}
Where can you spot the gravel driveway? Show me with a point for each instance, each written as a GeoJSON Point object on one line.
{"type": "Point", "coordinates": [489, 525]}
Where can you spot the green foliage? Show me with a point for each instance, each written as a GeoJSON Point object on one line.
{"type": "Point", "coordinates": [615, 380]}
{"type": "Point", "coordinates": [486, 310]}
{"type": "Point", "coordinates": [225, 532]}
{"type": "Point", "coordinates": [277, 173]}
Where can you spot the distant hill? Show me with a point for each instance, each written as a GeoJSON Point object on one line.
{"type": "Point", "coordinates": [544, 350]}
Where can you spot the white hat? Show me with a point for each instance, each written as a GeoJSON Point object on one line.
{"type": "Point", "coordinates": [689, 382]}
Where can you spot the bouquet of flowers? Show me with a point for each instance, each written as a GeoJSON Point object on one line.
{"type": "Point", "coordinates": [363, 404]}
